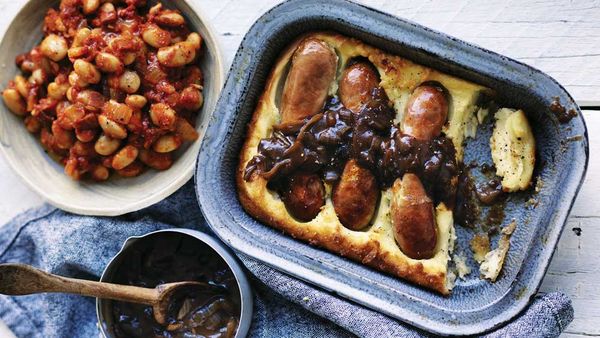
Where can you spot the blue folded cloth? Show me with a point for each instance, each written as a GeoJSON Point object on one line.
{"type": "Point", "coordinates": [81, 246]}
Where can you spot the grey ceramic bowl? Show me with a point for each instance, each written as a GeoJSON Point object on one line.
{"type": "Point", "coordinates": [103, 307]}
{"type": "Point", "coordinates": [475, 305]}
{"type": "Point", "coordinates": [116, 196]}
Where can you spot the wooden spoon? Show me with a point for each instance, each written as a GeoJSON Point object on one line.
{"type": "Point", "coordinates": [21, 279]}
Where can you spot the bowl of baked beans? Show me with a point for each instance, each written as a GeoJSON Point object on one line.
{"type": "Point", "coordinates": [105, 102]}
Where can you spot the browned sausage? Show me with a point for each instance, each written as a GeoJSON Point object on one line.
{"type": "Point", "coordinates": [313, 69]}
{"type": "Point", "coordinates": [426, 112]}
{"type": "Point", "coordinates": [303, 196]}
{"type": "Point", "coordinates": [355, 196]}
{"type": "Point", "coordinates": [413, 218]}
{"type": "Point", "coordinates": [357, 84]}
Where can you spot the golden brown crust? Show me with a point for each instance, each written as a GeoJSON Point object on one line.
{"type": "Point", "coordinates": [367, 253]}
{"type": "Point", "coordinates": [374, 246]}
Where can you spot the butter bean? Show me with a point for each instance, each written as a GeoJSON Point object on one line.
{"type": "Point", "coordinates": [14, 101]}
{"type": "Point", "coordinates": [106, 145]}
{"type": "Point", "coordinates": [167, 143]}
{"type": "Point", "coordinates": [90, 6]}
{"type": "Point", "coordinates": [129, 82]}
{"type": "Point", "coordinates": [54, 47]}
{"type": "Point", "coordinates": [109, 63]}
{"type": "Point", "coordinates": [112, 128]}
{"type": "Point", "coordinates": [124, 157]}
{"type": "Point", "coordinates": [86, 71]}
{"type": "Point", "coordinates": [155, 36]}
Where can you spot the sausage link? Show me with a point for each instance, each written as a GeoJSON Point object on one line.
{"type": "Point", "coordinates": [356, 85]}
{"type": "Point", "coordinates": [413, 219]}
{"type": "Point", "coordinates": [426, 112]}
{"type": "Point", "coordinates": [304, 196]}
{"type": "Point", "coordinates": [313, 70]}
{"type": "Point", "coordinates": [355, 196]}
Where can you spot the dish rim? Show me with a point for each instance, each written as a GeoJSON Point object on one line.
{"type": "Point", "coordinates": [206, 175]}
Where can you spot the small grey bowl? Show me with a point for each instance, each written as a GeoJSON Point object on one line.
{"type": "Point", "coordinates": [103, 307]}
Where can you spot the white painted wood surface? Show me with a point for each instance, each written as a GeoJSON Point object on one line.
{"type": "Point", "coordinates": [561, 38]}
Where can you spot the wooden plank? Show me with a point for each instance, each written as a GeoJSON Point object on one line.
{"type": "Point", "coordinates": [587, 204]}
{"type": "Point", "coordinates": [557, 37]}
{"type": "Point", "coordinates": [575, 271]}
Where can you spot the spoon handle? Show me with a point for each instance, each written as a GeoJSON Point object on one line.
{"type": "Point", "coordinates": [21, 279]}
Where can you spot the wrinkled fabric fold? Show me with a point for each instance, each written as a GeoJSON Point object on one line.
{"type": "Point", "coordinates": [81, 246]}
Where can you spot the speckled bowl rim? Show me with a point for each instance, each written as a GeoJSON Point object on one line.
{"type": "Point", "coordinates": [179, 179]}
{"type": "Point", "coordinates": [246, 295]}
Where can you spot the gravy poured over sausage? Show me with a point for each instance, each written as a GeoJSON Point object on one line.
{"type": "Point", "coordinates": [411, 210]}
{"type": "Point", "coordinates": [353, 144]}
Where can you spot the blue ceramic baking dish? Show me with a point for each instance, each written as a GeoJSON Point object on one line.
{"type": "Point", "coordinates": [474, 306]}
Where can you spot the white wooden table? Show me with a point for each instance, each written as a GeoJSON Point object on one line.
{"type": "Point", "coordinates": [561, 38]}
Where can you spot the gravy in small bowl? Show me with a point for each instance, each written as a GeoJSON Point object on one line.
{"type": "Point", "coordinates": [173, 256]}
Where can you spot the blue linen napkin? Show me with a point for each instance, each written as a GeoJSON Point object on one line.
{"type": "Point", "coordinates": [81, 246]}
